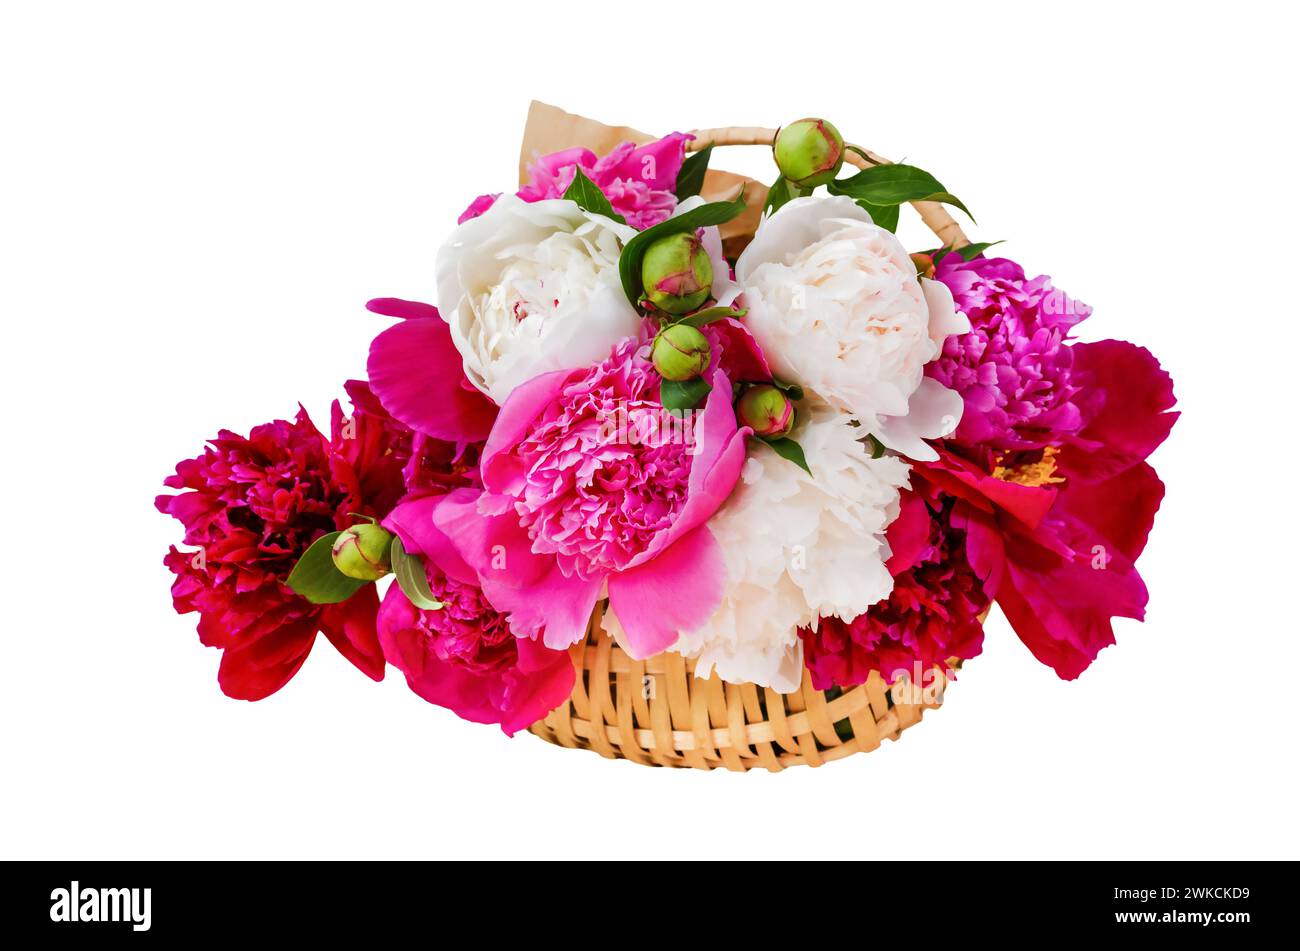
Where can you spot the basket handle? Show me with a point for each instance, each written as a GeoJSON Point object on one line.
{"type": "Point", "coordinates": [934, 215]}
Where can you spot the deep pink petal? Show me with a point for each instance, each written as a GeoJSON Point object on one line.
{"type": "Point", "coordinates": [1134, 395]}
{"type": "Point", "coordinates": [677, 591]}
{"type": "Point", "coordinates": [522, 407]}
{"type": "Point", "coordinates": [350, 627]}
{"type": "Point", "coordinates": [655, 163]}
{"type": "Point", "coordinates": [405, 309]}
{"type": "Point", "coordinates": [909, 534]}
{"type": "Point", "coordinates": [413, 522]}
{"type": "Point", "coordinates": [418, 376]}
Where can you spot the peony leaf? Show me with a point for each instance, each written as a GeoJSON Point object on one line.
{"type": "Point", "coordinates": [886, 216]}
{"type": "Point", "coordinates": [710, 315]}
{"type": "Point", "coordinates": [315, 577]}
{"type": "Point", "coordinates": [887, 185]}
{"type": "Point", "coordinates": [408, 570]}
{"type": "Point", "coordinates": [588, 196]}
{"type": "Point", "coordinates": [793, 390]}
{"type": "Point", "coordinates": [681, 395]}
{"type": "Point", "coordinates": [629, 262]}
{"type": "Point", "coordinates": [787, 448]}
{"type": "Point", "coordinates": [690, 179]}
{"type": "Point", "coordinates": [972, 251]}
{"type": "Point", "coordinates": [780, 192]}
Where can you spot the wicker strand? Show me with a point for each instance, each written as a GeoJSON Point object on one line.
{"type": "Point", "coordinates": [935, 216]}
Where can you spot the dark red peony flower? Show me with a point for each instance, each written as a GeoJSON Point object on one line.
{"type": "Point", "coordinates": [253, 506]}
{"type": "Point", "coordinates": [930, 618]}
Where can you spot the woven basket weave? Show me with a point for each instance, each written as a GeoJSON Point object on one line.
{"type": "Point", "coordinates": [656, 712]}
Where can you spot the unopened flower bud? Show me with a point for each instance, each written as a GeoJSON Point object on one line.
{"type": "Point", "coordinates": [924, 264]}
{"type": "Point", "coordinates": [680, 352]}
{"type": "Point", "coordinates": [809, 152]}
{"type": "Point", "coordinates": [765, 410]}
{"type": "Point", "coordinates": [677, 273]}
{"type": "Point", "coordinates": [362, 552]}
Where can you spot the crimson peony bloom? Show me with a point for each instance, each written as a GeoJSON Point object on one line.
{"type": "Point", "coordinates": [1059, 556]}
{"type": "Point", "coordinates": [253, 506]}
{"type": "Point", "coordinates": [930, 617]}
{"type": "Point", "coordinates": [464, 656]}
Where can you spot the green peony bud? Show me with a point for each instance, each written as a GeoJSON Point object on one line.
{"type": "Point", "coordinates": [361, 552]}
{"type": "Point", "coordinates": [677, 273]}
{"type": "Point", "coordinates": [765, 410]}
{"type": "Point", "coordinates": [809, 152]}
{"type": "Point", "coordinates": [680, 352]}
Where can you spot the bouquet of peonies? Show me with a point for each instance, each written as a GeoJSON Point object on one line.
{"type": "Point", "coordinates": [669, 416]}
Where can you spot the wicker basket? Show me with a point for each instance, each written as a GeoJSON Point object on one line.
{"type": "Point", "coordinates": [656, 712]}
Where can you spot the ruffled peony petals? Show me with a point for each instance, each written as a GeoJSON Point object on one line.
{"type": "Point", "coordinates": [933, 411]}
{"type": "Point", "coordinates": [795, 225]}
{"type": "Point", "coordinates": [720, 445]}
{"type": "Point", "coordinates": [1130, 416]}
{"type": "Point", "coordinates": [677, 591]}
{"type": "Point", "coordinates": [520, 411]}
{"type": "Point", "coordinates": [656, 163]}
{"type": "Point", "coordinates": [350, 627]}
{"type": "Point", "coordinates": [416, 373]}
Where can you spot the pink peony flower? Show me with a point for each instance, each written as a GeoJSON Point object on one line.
{"type": "Point", "coordinates": [464, 656]}
{"type": "Point", "coordinates": [419, 377]}
{"type": "Point", "coordinates": [1013, 370]}
{"type": "Point", "coordinates": [639, 181]}
{"type": "Point", "coordinates": [588, 485]}
{"type": "Point", "coordinates": [930, 617]}
{"type": "Point", "coordinates": [253, 506]}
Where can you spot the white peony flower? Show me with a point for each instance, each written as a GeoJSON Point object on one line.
{"type": "Point", "coordinates": [835, 303]}
{"type": "Point", "coordinates": [797, 547]}
{"type": "Point", "coordinates": [532, 287]}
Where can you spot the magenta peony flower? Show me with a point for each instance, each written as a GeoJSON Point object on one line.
{"type": "Point", "coordinates": [464, 656]}
{"type": "Point", "coordinates": [253, 507]}
{"type": "Point", "coordinates": [931, 616]}
{"type": "Point", "coordinates": [589, 483]}
{"type": "Point", "coordinates": [637, 180]}
{"type": "Point", "coordinates": [419, 377]}
{"type": "Point", "coordinates": [1013, 369]}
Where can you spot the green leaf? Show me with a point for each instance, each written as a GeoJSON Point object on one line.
{"type": "Point", "coordinates": [876, 447]}
{"type": "Point", "coordinates": [590, 198]}
{"type": "Point", "coordinates": [710, 315]}
{"type": "Point", "coordinates": [886, 216]}
{"type": "Point", "coordinates": [677, 396]}
{"type": "Point", "coordinates": [972, 251]}
{"type": "Point", "coordinates": [629, 262]}
{"type": "Point", "coordinates": [782, 191]}
{"type": "Point", "coordinates": [315, 577]}
{"type": "Point", "coordinates": [893, 185]}
{"type": "Point", "coordinates": [408, 570]}
{"type": "Point", "coordinates": [787, 448]}
{"type": "Point", "coordinates": [792, 390]}
{"type": "Point", "coordinates": [690, 179]}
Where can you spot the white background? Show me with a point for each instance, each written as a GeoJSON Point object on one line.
{"type": "Point", "coordinates": [198, 199]}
